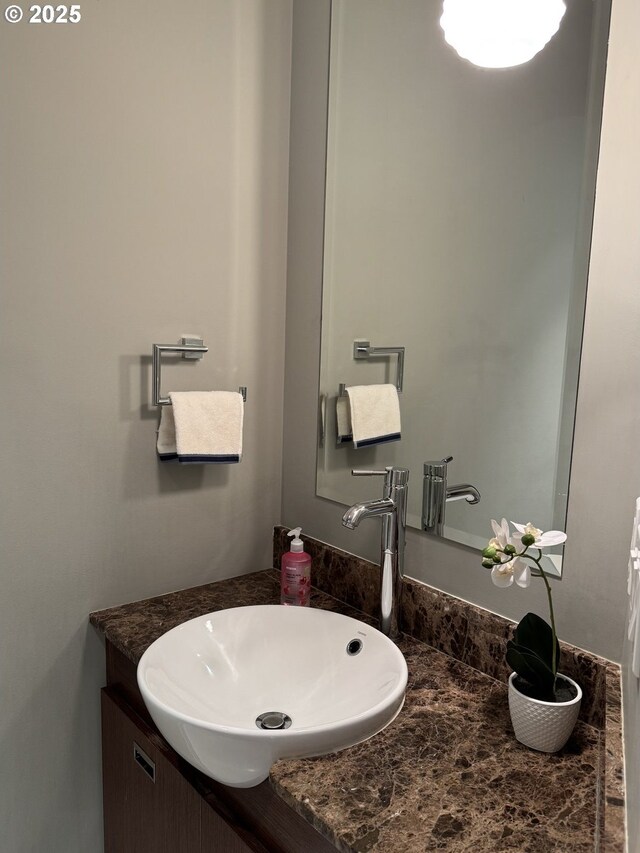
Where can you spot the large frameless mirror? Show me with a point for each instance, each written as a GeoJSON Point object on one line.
{"type": "Point", "coordinates": [458, 219]}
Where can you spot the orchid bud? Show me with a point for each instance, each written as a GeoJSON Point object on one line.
{"type": "Point", "coordinates": [509, 549]}
{"type": "Point", "coordinates": [528, 539]}
{"type": "Point", "coordinates": [497, 559]}
{"type": "Point", "coordinates": [488, 564]}
{"type": "Point", "coordinates": [489, 552]}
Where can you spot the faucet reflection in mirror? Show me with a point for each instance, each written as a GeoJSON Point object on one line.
{"type": "Point", "coordinates": [436, 494]}
{"type": "Point", "coordinates": [392, 510]}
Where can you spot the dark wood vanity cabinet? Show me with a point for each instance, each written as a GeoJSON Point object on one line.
{"type": "Point", "coordinates": [154, 802]}
{"type": "Point", "coordinates": [149, 807]}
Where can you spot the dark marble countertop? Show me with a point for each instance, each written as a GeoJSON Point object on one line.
{"type": "Point", "coordinates": [446, 775]}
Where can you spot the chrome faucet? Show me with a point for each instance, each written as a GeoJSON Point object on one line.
{"type": "Point", "coordinates": [392, 509]}
{"type": "Point", "coordinates": [436, 494]}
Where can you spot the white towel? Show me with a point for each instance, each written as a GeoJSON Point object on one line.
{"type": "Point", "coordinates": [343, 419]}
{"type": "Point", "coordinates": [166, 443]}
{"type": "Point", "coordinates": [375, 414]}
{"type": "Point", "coordinates": [207, 426]}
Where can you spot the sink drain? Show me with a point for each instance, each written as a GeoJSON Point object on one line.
{"type": "Point", "coordinates": [354, 647]}
{"type": "Point", "coordinates": [273, 720]}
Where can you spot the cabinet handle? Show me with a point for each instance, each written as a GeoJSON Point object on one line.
{"type": "Point", "coordinates": [142, 759]}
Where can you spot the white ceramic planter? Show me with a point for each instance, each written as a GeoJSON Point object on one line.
{"type": "Point", "coordinates": [544, 726]}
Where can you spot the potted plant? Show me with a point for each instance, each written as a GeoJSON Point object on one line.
{"type": "Point", "coordinates": [543, 703]}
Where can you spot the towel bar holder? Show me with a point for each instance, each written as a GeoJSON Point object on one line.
{"type": "Point", "coordinates": [364, 350]}
{"type": "Point", "coordinates": [191, 348]}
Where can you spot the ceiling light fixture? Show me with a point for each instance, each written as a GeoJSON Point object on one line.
{"type": "Point", "coordinates": [500, 33]}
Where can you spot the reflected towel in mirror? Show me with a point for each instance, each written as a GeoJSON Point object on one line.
{"type": "Point", "coordinates": [375, 414]}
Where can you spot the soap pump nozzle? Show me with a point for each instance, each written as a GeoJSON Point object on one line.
{"type": "Point", "coordinates": [297, 544]}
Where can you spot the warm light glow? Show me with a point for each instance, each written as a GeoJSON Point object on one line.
{"type": "Point", "coordinates": [500, 33]}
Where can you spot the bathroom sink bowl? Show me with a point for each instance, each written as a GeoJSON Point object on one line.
{"type": "Point", "coordinates": [235, 690]}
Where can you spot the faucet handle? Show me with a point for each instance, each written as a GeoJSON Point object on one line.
{"type": "Point", "coordinates": [395, 478]}
{"type": "Point", "coordinates": [437, 468]}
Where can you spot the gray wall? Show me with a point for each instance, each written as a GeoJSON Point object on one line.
{"type": "Point", "coordinates": [144, 178]}
{"type": "Point", "coordinates": [618, 255]}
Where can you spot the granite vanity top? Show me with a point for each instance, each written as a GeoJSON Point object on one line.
{"type": "Point", "coordinates": [446, 775]}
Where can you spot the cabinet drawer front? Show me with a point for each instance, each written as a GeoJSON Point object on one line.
{"type": "Point", "coordinates": [148, 806]}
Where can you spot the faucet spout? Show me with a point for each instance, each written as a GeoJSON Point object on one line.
{"type": "Point", "coordinates": [463, 491]}
{"type": "Point", "coordinates": [369, 509]}
{"type": "Point", "coordinates": [436, 494]}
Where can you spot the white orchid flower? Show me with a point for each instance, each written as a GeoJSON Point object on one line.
{"type": "Point", "coordinates": [504, 574]}
{"type": "Point", "coordinates": [502, 534]}
{"type": "Point", "coordinates": [542, 540]}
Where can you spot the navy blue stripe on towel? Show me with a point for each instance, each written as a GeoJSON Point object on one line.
{"type": "Point", "coordinates": [379, 439]}
{"type": "Point", "coordinates": [204, 459]}
{"type": "Point", "coordinates": [167, 457]}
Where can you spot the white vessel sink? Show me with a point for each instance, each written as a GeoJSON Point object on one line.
{"type": "Point", "coordinates": [332, 681]}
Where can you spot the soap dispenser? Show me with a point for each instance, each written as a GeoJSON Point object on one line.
{"type": "Point", "coordinates": [295, 573]}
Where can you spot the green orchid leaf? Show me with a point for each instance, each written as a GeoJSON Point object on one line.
{"type": "Point", "coordinates": [532, 660]}
{"type": "Point", "coordinates": [532, 669]}
{"type": "Point", "coordinates": [535, 634]}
